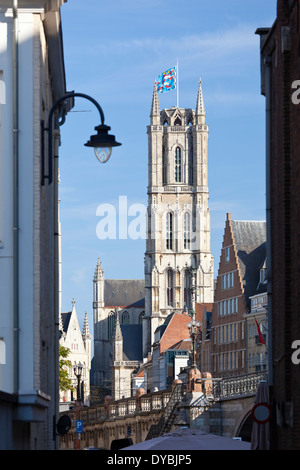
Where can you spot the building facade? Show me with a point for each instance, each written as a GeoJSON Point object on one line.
{"type": "Point", "coordinates": [280, 69]}
{"type": "Point", "coordinates": [79, 345]}
{"type": "Point", "coordinates": [32, 78]}
{"type": "Point", "coordinates": [257, 330]}
{"type": "Point", "coordinates": [243, 254]}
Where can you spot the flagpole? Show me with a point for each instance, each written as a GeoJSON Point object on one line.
{"type": "Point", "coordinates": [177, 85]}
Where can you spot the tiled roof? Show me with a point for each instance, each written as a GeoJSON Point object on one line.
{"type": "Point", "coordinates": [65, 320]}
{"type": "Point", "coordinates": [250, 244]}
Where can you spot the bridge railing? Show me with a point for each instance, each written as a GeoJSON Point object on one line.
{"type": "Point", "coordinates": [221, 389]}
{"type": "Point", "coordinates": [236, 386]}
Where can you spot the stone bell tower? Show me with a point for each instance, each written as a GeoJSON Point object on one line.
{"type": "Point", "coordinates": [178, 260]}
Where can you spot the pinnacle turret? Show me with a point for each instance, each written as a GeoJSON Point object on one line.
{"type": "Point", "coordinates": [155, 109]}
{"type": "Point", "coordinates": [99, 272]}
{"type": "Point", "coordinates": [200, 109]}
{"type": "Point", "coordinates": [86, 329]}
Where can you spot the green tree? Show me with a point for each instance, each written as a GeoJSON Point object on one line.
{"type": "Point", "coordinates": [65, 382]}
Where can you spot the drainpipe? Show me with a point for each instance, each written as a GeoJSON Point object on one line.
{"type": "Point", "coordinates": [15, 196]}
{"type": "Point", "coordinates": [267, 64]}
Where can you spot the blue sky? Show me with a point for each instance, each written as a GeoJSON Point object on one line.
{"type": "Point", "coordinates": [113, 52]}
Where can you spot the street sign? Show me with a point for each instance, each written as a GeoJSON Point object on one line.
{"type": "Point", "coordinates": [261, 413]}
{"type": "Point", "coordinates": [79, 426]}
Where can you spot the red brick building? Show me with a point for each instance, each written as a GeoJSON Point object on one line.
{"type": "Point", "coordinates": [242, 256]}
{"type": "Point", "coordinates": [172, 347]}
{"type": "Point", "coordinates": [280, 75]}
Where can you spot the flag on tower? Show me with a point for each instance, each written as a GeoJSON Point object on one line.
{"type": "Point", "coordinates": [260, 336]}
{"type": "Point", "coordinates": [167, 80]}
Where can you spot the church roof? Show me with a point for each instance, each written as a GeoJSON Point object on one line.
{"type": "Point", "coordinates": [124, 293]}
{"type": "Point", "coordinates": [65, 316]}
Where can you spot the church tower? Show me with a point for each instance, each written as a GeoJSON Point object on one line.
{"type": "Point", "coordinates": [178, 260]}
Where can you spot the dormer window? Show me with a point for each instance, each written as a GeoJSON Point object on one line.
{"type": "Point", "coordinates": [263, 275]}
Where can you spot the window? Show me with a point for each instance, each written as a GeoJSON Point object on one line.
{"type": "Point", "coordinates": [125, 318]}
{"type": "Point", "coordinates": [164, 167]}
{"type": "Point", "coordinates": [227, 254]}
{"type": "Point", "coordinates": [141, 316]}
{"type": "Point", "coordinates": [169, 237]}
{"type": "Point", "coordinates": [226, 307]}
{"type": "Point", "coordinates": [169, 287]}
{"type": "Point", "coordinates": [111, 324]}
{"type": "Point", "coordinates": [186, 295]}
{"type": "Point", "coordinates": [227, 280]}
{"type": "Point", "coordinates": [178, 165]}
{"type": "Point", "coordinates": [263, 275]}
{"type": "Point", "coordinates": [191, 165]}
{"type": "Point", "coordinates": [187, 231]}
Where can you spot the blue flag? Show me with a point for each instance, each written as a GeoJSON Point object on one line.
{"type": "Point", "coordinates": [167, 80]}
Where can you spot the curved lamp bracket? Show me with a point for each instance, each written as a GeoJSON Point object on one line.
{"type": "Point", "coordinates": [95, 141]}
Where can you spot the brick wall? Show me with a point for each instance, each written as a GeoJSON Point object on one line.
{"type": "Point", "coordinates": [282, 46]}
{"type": "Point", "coordinates": [228, 324]}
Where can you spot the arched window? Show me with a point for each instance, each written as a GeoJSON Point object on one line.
{"type": "Point", "coordinates": [191, 165]}
{"type": "Point", "coordinates": [178, 165]}
{"type": "Point", "coordinates": [164, 166]}
{"type": "Point", "coordinates": [169, 287]}
{"type": "Point", "coordinates": [187, 231]}
{"type": "Point", "coordinates": [169, 232]}
{"type": "Point", "coordinates": [111, 324]}
{"type": "Point", "coordinates": [125, 317]}
{"type": "Point", "coordinates": [186, 294]}
{"type": "Point", "coordinates": [141, 316]}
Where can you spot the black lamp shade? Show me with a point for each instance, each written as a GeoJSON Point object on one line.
{"type": "Point", "coordinates": [102, 138]}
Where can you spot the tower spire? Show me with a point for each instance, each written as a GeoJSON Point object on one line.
{"type": "Point", "coordinates": [155, 109]}
{"type": "Point", "coordinates": [200, 109]}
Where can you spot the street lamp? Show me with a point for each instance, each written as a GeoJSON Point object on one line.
{"type": "Point", "coordinates": [102, 142]}
{"type": "Point", "coordinates": [78, 373]}
{"type": "Point", "coordinates": [194, 327]}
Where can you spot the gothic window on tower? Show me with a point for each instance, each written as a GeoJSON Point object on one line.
{"type": "Point", "coordinates": [169, 232]}
{"type": "Point", "coordinates": [178, 165]}
{"type": "Point", "coordinates": [111, 324]}
{"type": "Point", "coordinates": [169, 287]}
{"type": "Point", "coordinates": [164, 167]}
{"type": "Point", "coordinates": [191, 165]}
{"type": "Point", "coordinates": [186, 292]}
{"type": "Point", "coordinates": [187, 231]}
